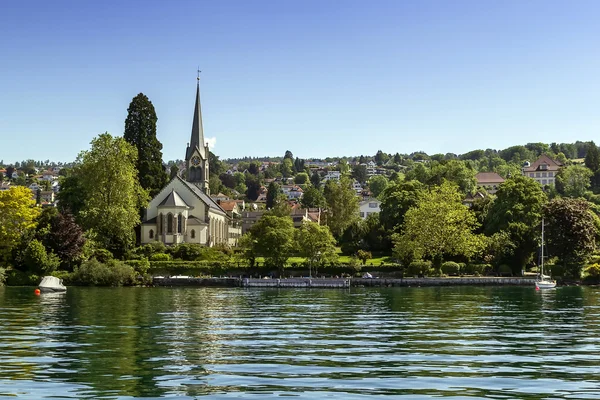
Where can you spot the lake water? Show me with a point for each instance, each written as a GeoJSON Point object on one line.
{"type": "Point", "coordinates": [408, 343]}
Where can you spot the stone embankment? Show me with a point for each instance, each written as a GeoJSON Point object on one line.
{"type": "Point", "coordinates": [341, 282]}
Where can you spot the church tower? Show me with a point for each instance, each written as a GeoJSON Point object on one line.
{"type": "Point", "coordinates": [197, 153]}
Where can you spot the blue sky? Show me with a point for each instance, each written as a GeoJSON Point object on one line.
{"type": "Point", "coordinates": [319, 78]}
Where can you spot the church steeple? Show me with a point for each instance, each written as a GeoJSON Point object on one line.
{"type": "Point", "coordinates": [197, 138]}
{"type": "Point", "coordinates": [196, 154]}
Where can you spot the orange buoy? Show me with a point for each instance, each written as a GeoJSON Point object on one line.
{"type": "Point", "coordinates": [37, 292]}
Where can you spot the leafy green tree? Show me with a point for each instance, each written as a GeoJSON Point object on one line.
{"type": "Point", "coordinates": [441, 225]}
{"type": "Point", "coordinates": [377, 184]}
{"type": "Point", "coordinates": [38, 260]}
{"type": "Point", "coordinates": [273, 239]}
{"type": "Point", "coordinates": [18, 216]}
{"type": "Point", "coordinates": [455, 171]}
{"type": "Point", "coordinates": [316, 244]}
{"type": "Point", "coordinates": [215, 166]}
{"type": "Point", "coordinates": [342, 205]}
{"type": "Point", "coordinates": [313, 198]}
{"type": "Point", "coordinates": [570, 232]}
{"type": "Point", "coordinates": [301, 178]}
{"type": "Point", "coordinates": [214, 184]}
{"type": "Point", "coordinates": [140, 131]}
{"type": "Point", "coordinates": [287, 168]}
{"type": "Point", "coordinates": [396, 200]}
{"type": "Point", "coordinates": [375, 236]}
{"type": "Point", "coordinates": [517, 210]}
{"type": "Point", "coordinates": [573, 180]}
{"type": "Point", "coordinates": [253, 187]}
{"type": "Point", "coordinates": [272, 193]}
{"type": "Point", "coordinates": [109, 177]}
{"type": "Point", "coordinates": [359, 172]}
{"type": "Point", "coordinates": [364, 255]}
{"type": "Point", "coordinates": [71, 197]}
{"type": "Point", "coordinates": [343, 166]}
{"type": "Point", "coordinates": [381, 157]}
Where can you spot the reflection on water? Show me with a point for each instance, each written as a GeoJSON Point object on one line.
{"type": "Point", "coordinates": [341, 344]}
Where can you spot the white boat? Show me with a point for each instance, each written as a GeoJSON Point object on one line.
{"type": "Point", "coordinates": [543, 281]}
{"type": "Point", "coordinates": [51, 284]}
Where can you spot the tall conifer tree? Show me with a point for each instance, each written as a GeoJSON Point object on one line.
{"type": "Point", "coordinates": [140, 131]}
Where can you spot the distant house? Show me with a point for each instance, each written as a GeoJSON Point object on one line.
{"type": "Point", "coordinates": [332, 176]}
{"type": "Point", "coordinates": [472, 198]}
{"type": "Point", "coordinates": [489, 181]}
{"type": "Point", "coordinates": [543, 170]}
{"type": "Point", "coordinates": [368, 207]}
{"type": "Point", "coordinates": [292, 191]}
{"type": "Point", "coordinates": [233, 208]}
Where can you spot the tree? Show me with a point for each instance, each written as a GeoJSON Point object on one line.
{"type": "Point", "coordinates": [570, 232]}
{"type": "Point", "coordinates": [315, 179]}
{"type": "Point", "coordinates": [298, 165]}
{"type": "Point", "coordinates": [313, 198]}
{"type": "Point", "coordinates": [359, 172]}
{"type": "Point", "coordinates": [9, 172]}
{"type": "Point", "coordinates": [65, 239]}
{"type": "Point", "coordinates": [288, 155]}
{"type": "Point", "coordinates": [573, 180]}
{"type": "Point", "coordinates": [518, 211]}
{"type": "Point", "coordinates": [174, 171]}
{"type": "Point", "coordinates": [140, 131]}
{"type": "Point", "coordinates": [455, 171]}
{"type": "Point", "coordinates": [316, 244]}
{"type": "Point", "coordinates": [253, 187]}
{"type": "Point", "coordinates": [592, 158]}
{"type": "Point", "coordinates": [287, 168]}
{"type": "Point", "coordinates": [18, 215]}
{"type": "Point", "coordinates": [109, 177]}
{"type": "Point", "coordinates": [377, 184]}
{"type": "Point", "coordinates": [441, 225]}
{"type": "Point", "coordinates": [215, 166]}
{"type": "Point", "coordinates": [396, 200]}
{"type": "Point", "coordinates": [37, 260]}
{"type": "Point", "coordinates": [72, 196]}
{"type": "Point", "coordinates": [381, 157]}
{"type": "Point", "coordinates": [273, 239]}
{"type": "Point", "coordinates": [301, 178]}
{"type": "Point", "coordinates": [272, 193]}
{"type": "Point", "coordinates": [342, 205]}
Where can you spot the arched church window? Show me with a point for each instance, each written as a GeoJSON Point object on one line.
{"type": "Point", "coordinates": [169, 223]}
{"type": "Point", "coordinates": [151, 234]}
{"type": "Point", "coordinates": [159, 229]}
{"type": "Point", "coordinates": [179, 220]}
{"type": "Point", "coordinates": [193, 234]}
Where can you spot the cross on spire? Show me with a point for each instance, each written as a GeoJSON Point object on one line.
{"type": "Point", "coordinates": [198, 78]}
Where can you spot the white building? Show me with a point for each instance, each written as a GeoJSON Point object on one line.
{"type": "Point", "coordinates": [367, 207]}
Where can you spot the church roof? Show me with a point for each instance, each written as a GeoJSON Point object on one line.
{"type": "Point", "coordinates": [202, 196]}
{"type": "Point", "coordinates": [173, 200]}
{"type": "Point", "coordinates": [197, 137]}
{"type": "Point", "coordinates": [195, 221]}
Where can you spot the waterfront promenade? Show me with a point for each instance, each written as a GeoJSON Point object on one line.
{"type": "Point", "coordinates": [342, 282]}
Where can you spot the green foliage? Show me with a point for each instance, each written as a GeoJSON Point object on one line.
{"type": "Point", "coordinates": [377, 185]}
{"type": "Point", "coordinates": [273, 239]}
{"type": "Point", "coordinates": [450, 268]}
{"type": "Point", "coordinates": [359, 172]}
{"type": "Point", "coordinates": [272, 193]}
{"type": "Point", "coordinates": [301, 178]}
{"type": "Point", "coordinates": [22, 278]}
{"type": "Point", "coordinates": [160, 257]}
{"type": "Point", "coordinates": [505, 270]}
{"type": "Point", "coordinates": [186, 251]}
{"type": "Point", "coordinates": [102, 255]}
{"type": "Point", "coordinates": [141, 266]}
{"type": "Point", "coordinates": [2, 276]}
{"type": "Point", "coordinates": [315, 179]}
{"type": "Point", "coordinates": [18, 216]}
{"type": "Point", "coordinates": [37, 260]}
{"type": "Point", "coordinates": [316, 244]}
{"type": "Point", "coordinates": [517, 210]}
{"type": "Point", "coordinates": [95, 273]}
{"type": "Point", "coordinates": [441, 225]}
{"type": "Point", "coordinates": [476, 269]}
{"type": "Point", "coordinates": [71, 197]}
{"type": "Point", "coordinates": [342, 205]}
{"type": "Point", "coordinates": [570, 232]}
{"type": "Point", "coordinates": [154, 247]}
{"type": "Point", "coordinates": [396, 199]}
{"type": "Point", "coordinates": [591, 274]}
{"type": "Point", "coordinates": [419, 268]}
{"type": "Point", "coordinates": [363, 255]}
{"type": "Point", "coordinates": [109, 177]}
{"type": "Point", "coordinates": [573, 180]}
{"type": "Point", "coordinates": [140, 131]}
{"type": "Point", "coordinates": [592, 158]}
{"type": "Point", "coordinates": [313, 198]}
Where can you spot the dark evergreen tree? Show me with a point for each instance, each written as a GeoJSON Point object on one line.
{"type": "Point", "coordinates": [174, 171]}
{"type": "Point", "coordinates": [592, 158]}
{"type": "Point", "coordinates": [9, 172]}
{"type": "Point", "coordinates": [272, 193]}
{"type": "Point", "coordinates": [315, 179]}
{"type": "Point", "coordinates": [140, 131]}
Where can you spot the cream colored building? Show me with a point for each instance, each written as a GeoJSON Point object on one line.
{"type": "Point", "coordinates": [184, 212]}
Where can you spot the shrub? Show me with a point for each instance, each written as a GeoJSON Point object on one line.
{"type": "Point", "coordinates": [363, 255]}
{"type": "Point", "coordinates": [140, 266]}
{"type": "Point", "coordinates": [2, 276]}
{"type": "Point", "coordinates": [476, 269]}
{"type": "Point", "coordinates": [505, 270]}
{"type": "Point", "coordinates": [95, 273]}
{"type": "Point", "coordinates": [419, 268]}
{"type": "Point", "coordinates": [37, 260]}
{"type": "Point", "coordinates": [450, 268]}
{"type": "Point", "coordinates": [187, 251]}
{"type": "Point", "coordinates": [160, 257]}
{"type": "Point", "coordinates": [66, 276]}
{"type": "Point", "coordinates": [591, 274]}
{"type": "Point", "coordinates": [102, 255]}
{"type": "Point", "coordinates": [21, 278]}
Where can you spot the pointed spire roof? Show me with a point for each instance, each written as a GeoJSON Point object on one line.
{"type": "Point", "coordinates": [197, 138]}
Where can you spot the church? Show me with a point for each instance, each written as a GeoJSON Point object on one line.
{"type": "Point", "coordinates": [184, 212]}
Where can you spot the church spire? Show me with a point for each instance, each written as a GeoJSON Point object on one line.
{"type": "Point", "coordinates": [197, 138]}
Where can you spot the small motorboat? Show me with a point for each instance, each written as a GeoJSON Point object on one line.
{"type": "Point", "coordinates": [51, 284]}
